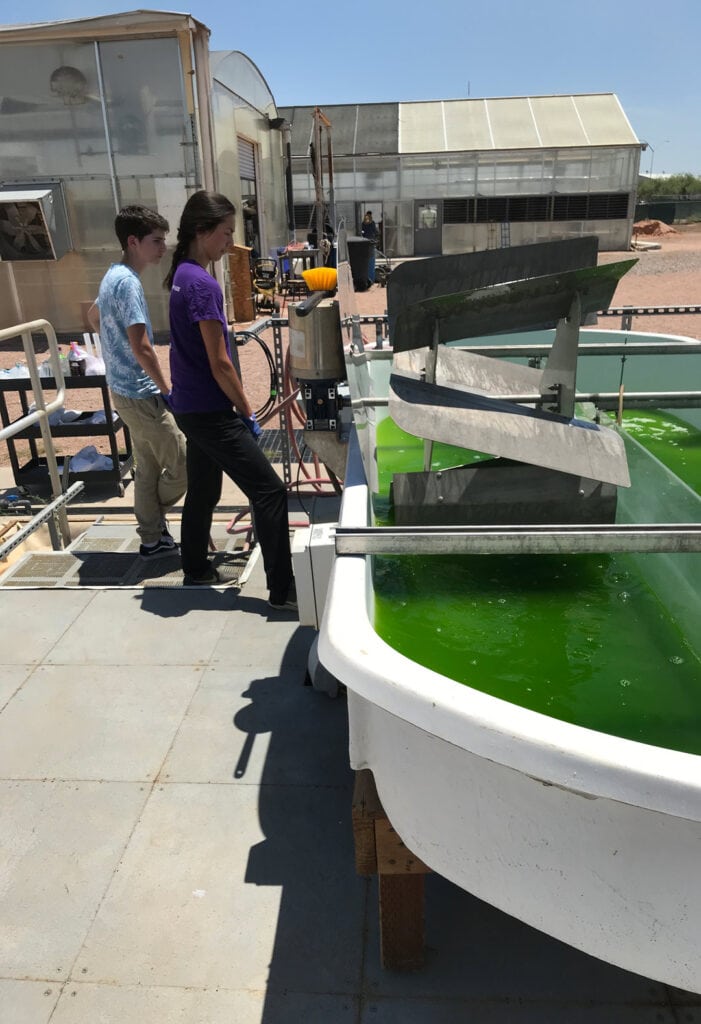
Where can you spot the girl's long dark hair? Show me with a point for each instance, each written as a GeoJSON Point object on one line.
{"type": "Point", "coordinates": [203, 211]}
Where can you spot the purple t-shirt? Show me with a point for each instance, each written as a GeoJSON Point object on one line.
{"type": "Point", "coordinates": [195, 296]}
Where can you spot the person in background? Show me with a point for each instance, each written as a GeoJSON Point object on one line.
{"type": "Point", "coordinates": [136, 382]}
{"type": "Point", "coordinates": [211, 407]}
{"type": "Point", "coordinates": [368, 229]}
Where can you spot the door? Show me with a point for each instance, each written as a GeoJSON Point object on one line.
{"type": "Point", "coordinates": [249, 196]}
{"type": "Point", "coordinates": [428, 227]}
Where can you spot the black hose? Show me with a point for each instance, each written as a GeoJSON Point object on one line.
{"type": "Point", "coordinates": [274, 383]}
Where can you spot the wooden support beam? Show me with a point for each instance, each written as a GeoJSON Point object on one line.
{"type": "Point", "coordinates": [379, 850]}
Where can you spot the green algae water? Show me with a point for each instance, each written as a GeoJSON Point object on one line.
{"type": "Point", "coordinates": [581, 638]}
{"type": "Point", "coordinates": [673, 441]}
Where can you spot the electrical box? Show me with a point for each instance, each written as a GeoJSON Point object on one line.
{"type": "Point", "coordinates": [313, 554]}
{"type": "Point", "coordinates": [33, 222]}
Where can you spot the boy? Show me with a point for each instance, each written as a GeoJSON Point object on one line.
{"type": "Point", "coordinates": [137, 385]}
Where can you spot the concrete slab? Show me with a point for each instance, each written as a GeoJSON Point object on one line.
{"type": "Point", "coordinates": [87, 1004]}
{"type": "Point", "coordinates": [61, 843]}
{"type": "Point", "coordinates": [267, 729]}
{"type": "Point", "coordinates": [263, 638]}
{"type": "Point", "coordinates": [149, 627]}
{"type": "Point", "coordinates": [28, 1002]}
{"type": "Point", "coordinates": [199, 897]}
{"type": "Point", "coordinates": [32, 623]}
{"type": "Point", "coordinates": [11, 679]}
{"type": "Point", "coordinates": [78, 722]}
{"type": "Point", "coordinates": [508, 1011]}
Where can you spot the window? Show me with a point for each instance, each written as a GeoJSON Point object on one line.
{"type": "Point", "coordinates": [498, 209]}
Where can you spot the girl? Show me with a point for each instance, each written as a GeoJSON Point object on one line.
{"type": "Point", "coordinates": [211, 408]}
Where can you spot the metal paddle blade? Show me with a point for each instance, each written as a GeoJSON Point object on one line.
{"type": "Point", "coordinates": [460, 409]}
{"type": "Point", "coordinates": [536, 303]}
{"type": "Point", "coordinates": [416, 280]}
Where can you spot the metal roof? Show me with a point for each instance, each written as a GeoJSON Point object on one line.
{"type": "Point", "coordinates": [438, 126]}
{"type": "Point", "coordinates": [139, 22]}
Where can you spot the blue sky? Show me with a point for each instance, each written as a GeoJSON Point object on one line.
{"type": "Point", "coordinates": [332, 52]}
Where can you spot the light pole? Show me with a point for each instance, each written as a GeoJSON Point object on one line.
{"type": "Point", "coordinates": [652, 158]}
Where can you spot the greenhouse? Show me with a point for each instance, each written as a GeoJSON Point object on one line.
{"type": "Point", "coordinates": [449, 176]}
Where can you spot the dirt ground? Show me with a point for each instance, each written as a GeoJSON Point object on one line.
{"type": "Point", "coordinates": [668, 276]}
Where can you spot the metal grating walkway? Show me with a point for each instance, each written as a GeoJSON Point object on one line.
{"type": "Point", "coordinates": [107, 555]}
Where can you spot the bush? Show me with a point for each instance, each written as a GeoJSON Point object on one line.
{"type": "Point", "coordinates": [676, 186]}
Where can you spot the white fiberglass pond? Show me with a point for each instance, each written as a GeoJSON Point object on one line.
{"type": "Point", "coordinates": [507, 753]}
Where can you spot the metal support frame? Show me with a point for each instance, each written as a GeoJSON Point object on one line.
{"type": "Point", "coordinates": [59, 530]}
{"type": "Point", "coordinates": [607, 400]}
{"type": "Point", "coordinates": [284, 413]}
{"type": "Point", "coordinates": [47, 513]}
{"type": "Point", "coordinates": [672, 538]}
{"type": "Point", "coordinates": [627, 313]}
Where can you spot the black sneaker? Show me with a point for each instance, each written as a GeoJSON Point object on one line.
{"type": "Point", "coordinates": [208, 579]}
{"type": "Point", "coordinates": [164, 546]}
{"type": "Point", "coordinates": [288, 603]}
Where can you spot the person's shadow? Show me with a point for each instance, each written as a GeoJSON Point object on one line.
{"type": "Point", "coordinates": [305, 812]}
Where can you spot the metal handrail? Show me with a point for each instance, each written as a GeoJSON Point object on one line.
{"type": "Point", "coordinates": [672, 538]}
{"type": "Point", "coordinates": [43, 516]}
{"type": "Point", "coordinates": [43, 408]}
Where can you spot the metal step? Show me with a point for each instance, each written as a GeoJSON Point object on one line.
{"type": "Point", "coordinates": [107, 556]}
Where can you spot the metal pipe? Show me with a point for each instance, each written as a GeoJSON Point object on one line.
{"type": "Point", "coordinates": [611, 399]}
{"type": "Point", "coordinates": [43, 409]}
{"type": "Point", "coordinates": [636, 348]}
{"type": "Point", "coordinates": [603, 400]}
{"type": "Point", "coordinates": [672, 538]}
{"type": "Point", "coordinates": [106, 125]}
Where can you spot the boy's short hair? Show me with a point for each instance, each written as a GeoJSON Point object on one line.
{"type": "Point", "coordinates": [139, 221]}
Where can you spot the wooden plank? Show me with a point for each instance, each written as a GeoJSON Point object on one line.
{"type": "Point", "coordinates": [402, 936]}
{"type": "Point", "coordinates": [366, 810]}
{"type": "Point", "coordinates": [393, 857]}
{"type": "Point", "coordinates": [379, 850]}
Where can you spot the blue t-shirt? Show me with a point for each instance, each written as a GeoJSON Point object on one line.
{"type": "Point", "coordinates": [122, 304]}
{"type": "Point", "coordinates": [195, 296]}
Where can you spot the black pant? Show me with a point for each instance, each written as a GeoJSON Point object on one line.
{"type": "Point", "coordinates": [219, 442]}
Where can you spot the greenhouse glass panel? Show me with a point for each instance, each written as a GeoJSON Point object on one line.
{"type": "Point", "coordinates": [423, 176]}
{"type": "Point", "coordinates": [512, 124]}
{"type": "Point", "coordinates": [462, 174]}
{"type": "Point", "coordinates": [609, 170]}
{"type": "Point", "coordinates": [238, 74]}
{"type": "Point", "coordinates": [519, 175]}
{"type": "Point", "coordinates": [467, 125]}
{"type": "Point", "coordinates": [50, 113]}
{"type": "Point", "coordinates": [486, 174]}
{"type": "Point", "coordinates": [145, 105]}
{"type": "Point", "coordinates": [572, 170]}
{"type": "Point", "coordinates": [91, 202]}
{"type": "Point", "coordinates": [377, 128]}
{"type": "Point", "coordinates": [344, 179]}
{"type": "Point", "coordinates": [376, 177]}
{"type": "Point", "coordinates": [398, 227]}
{"type": "Point", "coordinates": [421, 128]}
{"type": "Point", "coordinates": [302, 181]}
{"type": "Point", "coordinates": [558, 122]}
{"type": "Point", "coordinates": [604, 120]}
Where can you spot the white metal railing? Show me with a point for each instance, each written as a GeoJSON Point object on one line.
{"type": "Point", "coordinates": [43, 409]}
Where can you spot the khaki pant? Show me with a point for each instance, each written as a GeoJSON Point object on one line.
{"type": "Point", "coordinates": [160, 477]}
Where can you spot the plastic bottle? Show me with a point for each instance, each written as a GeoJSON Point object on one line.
{"type": "Point", "coordinates": [76, 360]}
